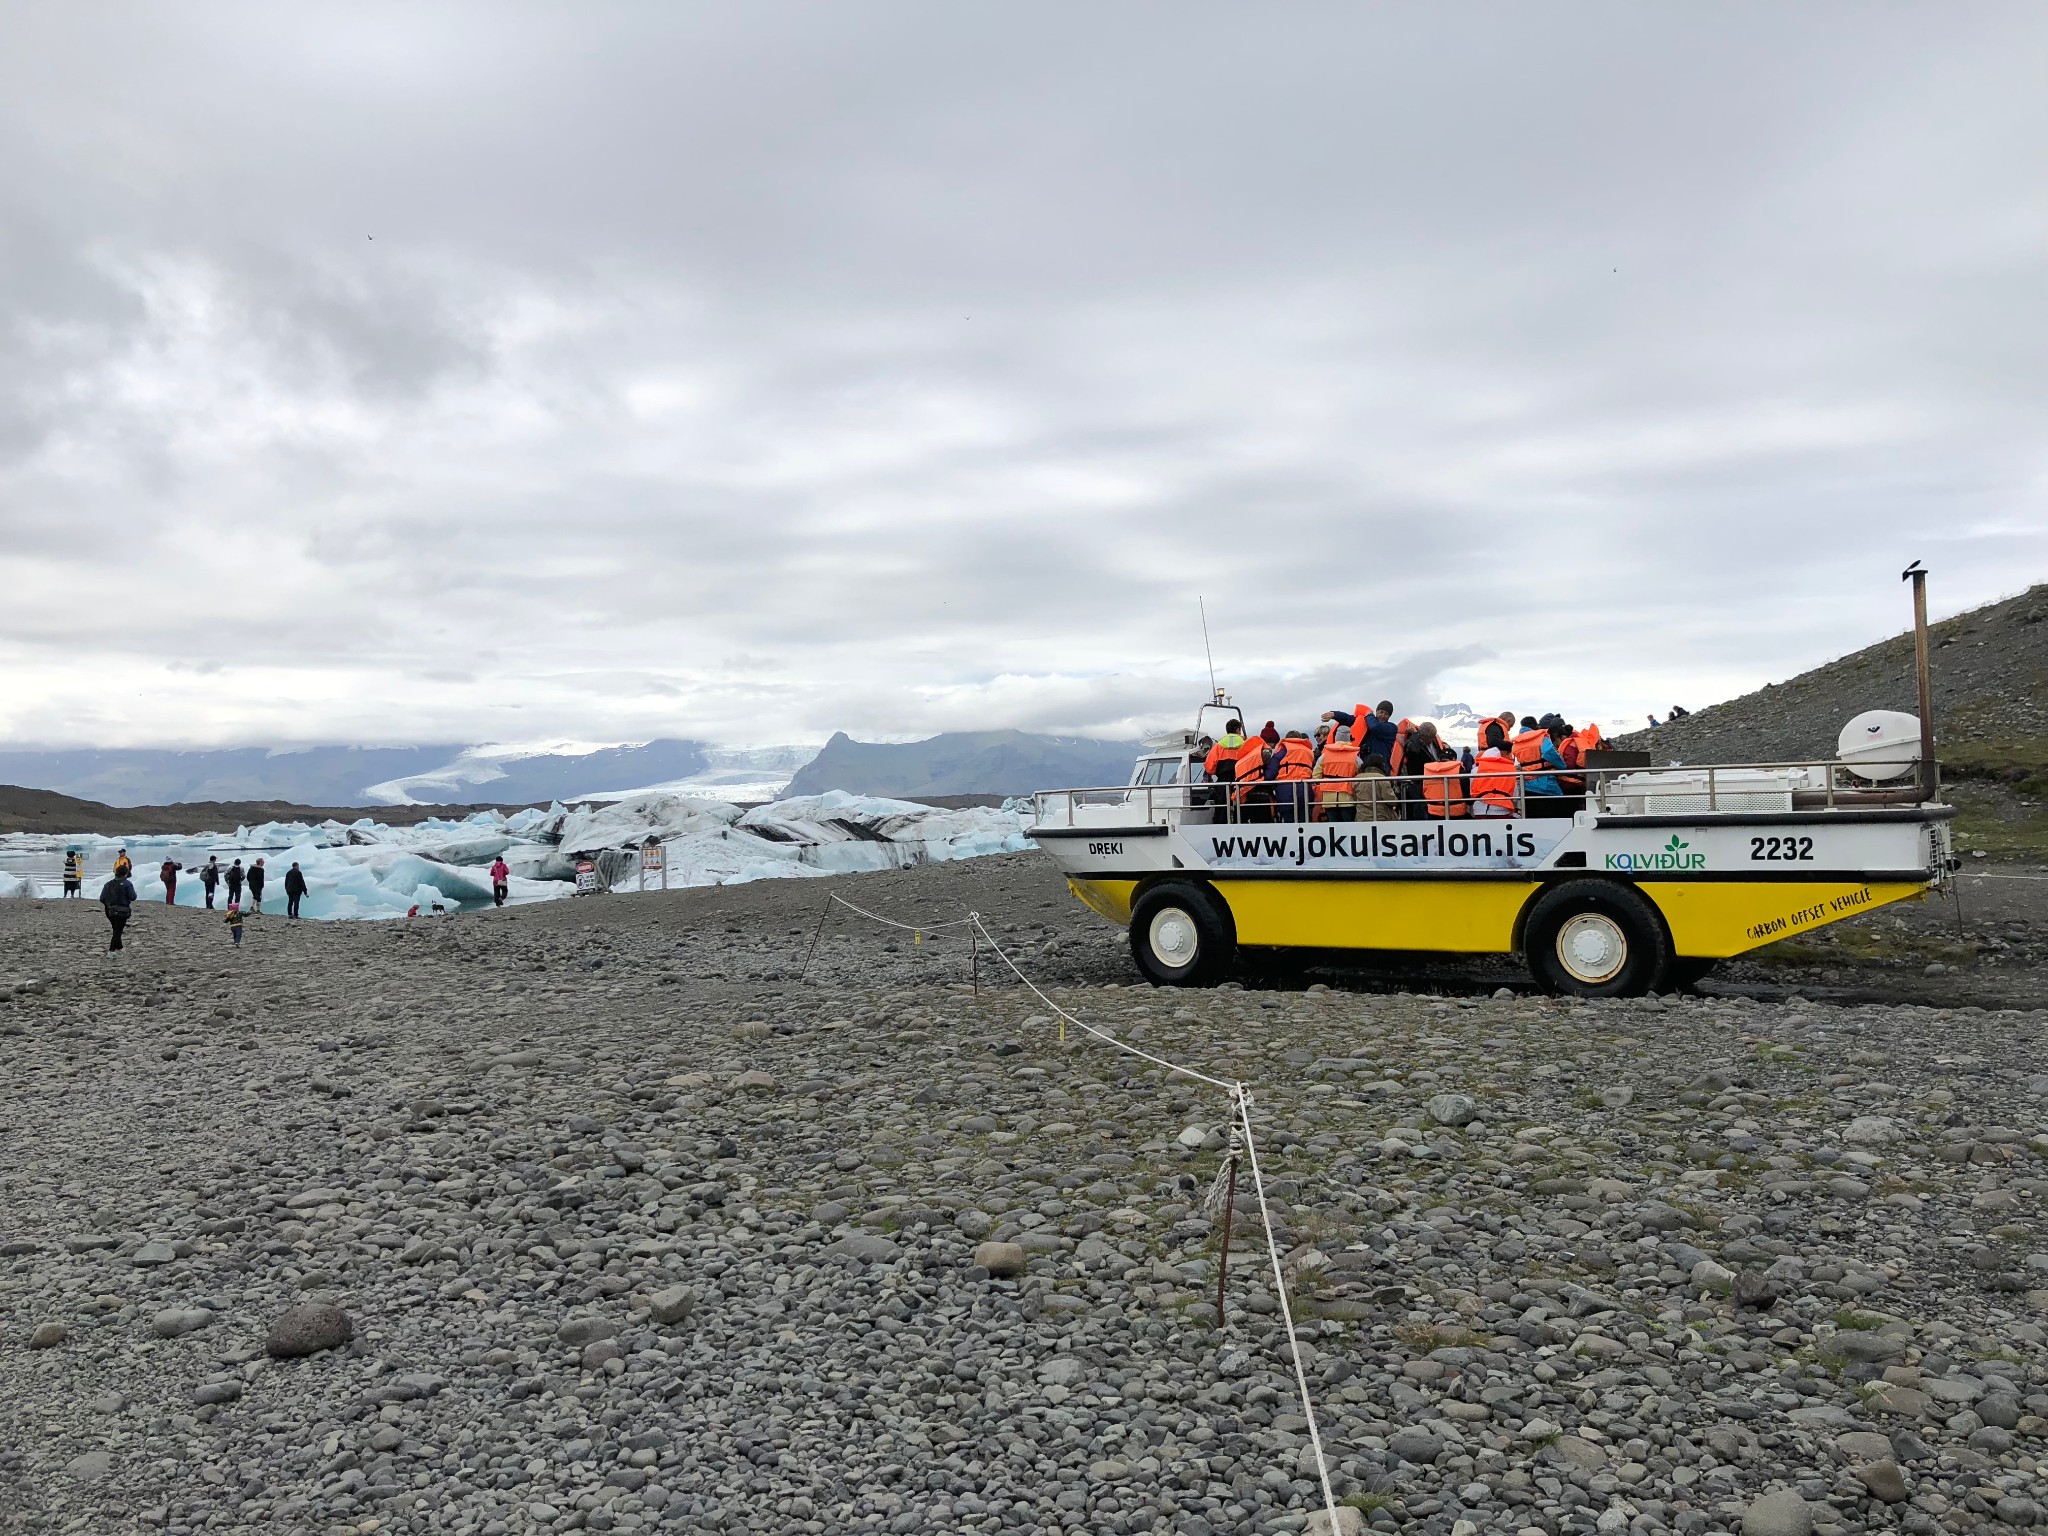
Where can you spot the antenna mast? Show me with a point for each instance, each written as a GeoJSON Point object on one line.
{"type": "Point", "coordinates": [1206, 651]}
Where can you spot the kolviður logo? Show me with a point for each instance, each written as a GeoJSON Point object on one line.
{"type": "Point", "coordinates": [1672, 856]}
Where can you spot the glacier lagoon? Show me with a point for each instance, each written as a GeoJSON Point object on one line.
{"type": "Point", "coordinates": [368, 869]}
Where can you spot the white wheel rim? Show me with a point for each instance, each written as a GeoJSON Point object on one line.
{"type": "Point", "coordinates": [1592, 948]}
{"type": "Point", "coordinates": [1173, 938]}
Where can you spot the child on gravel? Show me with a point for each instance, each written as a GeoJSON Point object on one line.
{"type": "Point", "coordinates": [235, 922]}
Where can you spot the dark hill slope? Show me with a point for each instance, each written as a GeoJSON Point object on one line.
{"type": "Point", "coordinates": [964, 763]}
{"type": "Point", "coordinates": [42, 810]}
{"type": "Point", "coordinates": [1990, 669]}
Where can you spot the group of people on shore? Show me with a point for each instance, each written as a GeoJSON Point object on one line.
{"type": "Point", "coordinates": [118, 896]}
{"type": "Point", "coordinates": [1360, 764]}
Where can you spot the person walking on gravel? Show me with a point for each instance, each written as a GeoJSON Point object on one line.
{"type": "Point", "coordinates": [256, 879]}
{"type": "Point", "coordinates": [74, 873]}
{"type": "Point", "coordinates": [235, 922]}
{"type": "Point", "coordinates": [294, 889]}
{"type": "Point", "coordinates": [117, 897]}
{"type": "Point", "coordinates": [169, 875]}
{"type": "Point", "coordinates": [209, 877]}
{"type": "Point", "coordinates": [235, 883]}
{"type": "Point", "coordinates": [501, 881]}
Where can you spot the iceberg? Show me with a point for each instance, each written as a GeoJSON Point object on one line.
{"type": "Point", "coordinates": [370, 869]}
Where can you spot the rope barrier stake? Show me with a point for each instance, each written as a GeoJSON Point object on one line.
{"type": "Point", "coordinates": [1229, 1210]}
{"type": "Point", "coordinates": [815, 932]}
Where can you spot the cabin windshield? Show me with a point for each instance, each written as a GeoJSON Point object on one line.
{"type": "Point", "coordinates": [1159, 770]}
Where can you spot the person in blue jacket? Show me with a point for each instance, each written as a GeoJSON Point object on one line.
{"type": "Point", "coordinates": [1375, 735]}
{"type": "Point", "coordinates": [1546, 794]}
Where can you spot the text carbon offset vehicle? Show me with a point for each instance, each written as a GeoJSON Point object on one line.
{"type": "Point", "coordinates": [1655, 875]}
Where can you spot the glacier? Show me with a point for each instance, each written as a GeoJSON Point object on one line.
{"type": "Point", "coordinates": [368, 869]}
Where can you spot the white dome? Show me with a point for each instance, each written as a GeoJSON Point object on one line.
{"type": "Point", "coordinates": [1880, 744]}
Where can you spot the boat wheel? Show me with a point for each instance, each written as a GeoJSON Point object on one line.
{"type": "Point", "coordinates": [1596, 938]}
{"type": "Point", "coordinates": [1178, 937]}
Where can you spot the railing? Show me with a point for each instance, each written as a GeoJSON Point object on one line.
{"type": "Point", "coordinates": [1811, 785]}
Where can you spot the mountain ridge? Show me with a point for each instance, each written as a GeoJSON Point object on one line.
{"type": "Point", "coordinates": [1006, 762]}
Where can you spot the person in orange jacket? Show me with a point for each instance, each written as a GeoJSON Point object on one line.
{"type": "Point", "coordinates": [1292, 765]}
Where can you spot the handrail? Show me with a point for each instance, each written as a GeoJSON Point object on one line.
{"type": "Point", "coordinates": [1228, 801]}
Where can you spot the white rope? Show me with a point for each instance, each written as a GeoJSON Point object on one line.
{"type": "Point", "coordinates": [1241, 1100]}
{"type": "Point", "coordinates": [1971, 874]}
{"type": "Point", "coordinates": [890, 922]}
{"type": "Point", "coordinates": [1308, 1408]}
{"type": "Point", "coordinates": [1103, 1035]}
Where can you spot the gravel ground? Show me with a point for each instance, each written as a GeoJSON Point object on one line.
{"type": "Point", "coordinates": [630, 1228]}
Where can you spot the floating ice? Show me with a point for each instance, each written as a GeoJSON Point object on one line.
{"type": "Point", "coordinates": [366, 868]}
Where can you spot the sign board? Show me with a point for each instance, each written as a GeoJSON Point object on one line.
{"type": "Point", "coordinates": [586, 877]}
{"type": "Point", "coordinates": [653, 860]}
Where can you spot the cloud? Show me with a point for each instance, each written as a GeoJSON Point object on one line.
{"type": "Point", "coordinates": [748, 375]}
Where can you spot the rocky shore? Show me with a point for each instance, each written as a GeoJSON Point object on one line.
{"type": "Point", "coordinates": [606, 1215]}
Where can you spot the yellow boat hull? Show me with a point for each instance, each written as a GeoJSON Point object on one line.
{"type": "Point", "coordinates": [1707, 919]}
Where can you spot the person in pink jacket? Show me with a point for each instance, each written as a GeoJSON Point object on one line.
{"type": "Point", "coordinates": [501, 876]}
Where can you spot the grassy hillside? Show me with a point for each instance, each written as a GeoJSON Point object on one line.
{"type": "Point", "coordinates": [1990, 673]}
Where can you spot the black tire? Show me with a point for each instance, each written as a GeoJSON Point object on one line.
{"type": "Point", "coordinates": [1684, 972]}
{"type": "Point", "coordinates": [1596, 938]}
{"type": "Point", "coordinates": [1180, 938]}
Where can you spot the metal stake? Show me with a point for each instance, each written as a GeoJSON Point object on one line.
{"type": "Point", "coordinates": [1229, 1210]}
{"type": "Point", "coordinates": [1928, 776]}
{"type": "Point", "coordinates": [815, 932]}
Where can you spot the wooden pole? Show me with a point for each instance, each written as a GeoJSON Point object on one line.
{"type": "Point", "coordinates": [1929, 777]}
{"type": "Point", "coordinates": [1229, 1210]}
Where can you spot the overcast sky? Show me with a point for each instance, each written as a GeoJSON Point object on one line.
{"type": "Point", "coordinates": [393, 372]}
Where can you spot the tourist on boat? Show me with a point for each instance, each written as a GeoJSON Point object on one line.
{"type": "Point", "coordinates": [1571, 787]}
{"type": "Point", "coordinates": [1536, 754]}
{"type": "Point", "coordinates": [1493, 774]}
{"type": "Point", "coordinates": [1421, 748]}
{"type": "Point", "coordinates": [1219, 763]}
{"type": "Point", "coordinates": [1373, 730]}
{"type": "Point", "coordinates": [1293, 764]}
{"type": "Point", "coordinates": [1375, 792]}
{"type": "Point", "coordinates": [1251, 772]}
{"type": "Point", "coordinates": [1337, 777]}
{"type": "Point", "coordinates": [1224, 751]}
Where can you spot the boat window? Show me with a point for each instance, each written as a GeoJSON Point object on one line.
{"type": "Point", "coordinates": [1159, 770]}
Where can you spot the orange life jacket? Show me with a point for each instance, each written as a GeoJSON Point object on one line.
{"type": "Point", "coordinates": [1400, 747]}
{"type": "Point", "coordinates": [1338, 768]}
{"type": "Point", "coordinates": [1528, 749]}
{"type": "Point", "coordinates": [1443, 788]}
{"type": "Point", "coordinates": [1251, 762]}
{"type": "Point", "coordinates": [1493, 780]}
{"type": "Point", "coordinates": [1585, 739]}
{"type": "Point", "coordinates": [1297, 758]}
